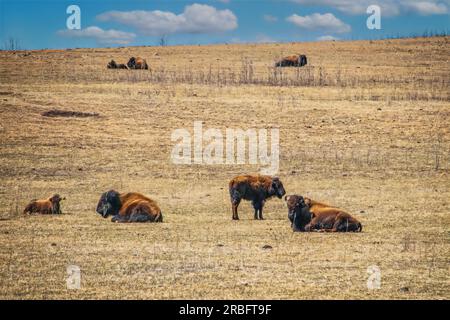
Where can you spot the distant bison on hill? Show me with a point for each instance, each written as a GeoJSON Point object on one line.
{"type": "Point", "coordinates": [113, 65]}
{"type": "Point", "coordinates": [128, 207]}
{"type": "Point", "coordinates": [256, 188]}
{"type": "Point", "coordinates": [292, 61]}
{"type": "Point", "coordinates": [306, 214]}
{"type": "Point", "coordinates": [137, 63]}
{"type": "Point", "coordinates": [46, 206]}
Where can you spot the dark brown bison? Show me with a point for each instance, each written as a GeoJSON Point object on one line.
{"type": "Point", "coordinates": [46, 206]}
{"type": "Point", "coordinates": [113, 65]}
{"type": "Point", "coordinates": [298, 212]}
{"type": "Point", "coordinates": [306, 214]}
{"type": "Point", "coordinates": [137, 63]}
{"type": "Point", "coordinates": [292, 61]}
{"type": "Point", "coordinates": [256, 188]}
{"type": "Point", "coordinates": [128, 207]}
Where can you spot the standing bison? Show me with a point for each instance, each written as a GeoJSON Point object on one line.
{"type": "Point", "coordinates": [256, 188]}
{"type": "Point", "coordinates": [137, 63]}
{"type": "Point", "coordinates": [293, 61]}
{"type": "Point", "coordinates": [128, 207]}
{"type": "Point", "coordinates": [306, 214]}
{"type": "Point", "coordinates": [46, 206]}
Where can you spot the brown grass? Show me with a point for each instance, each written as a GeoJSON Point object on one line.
{"type": "Point", "coordinates": [365, 127]}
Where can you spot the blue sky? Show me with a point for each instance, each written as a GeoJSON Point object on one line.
{"type": "Point", "coordinates": [42, 24]}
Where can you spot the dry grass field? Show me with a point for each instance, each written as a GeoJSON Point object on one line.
{"type": "Point", "coordinates": [365, 126]}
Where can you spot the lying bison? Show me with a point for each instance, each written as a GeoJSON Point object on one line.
{"type": "Point", "coordinates": [113, 65]}
{"type": "Point", "coordinates": [46, 206]}
{"type": "Point", "coordinates": [292, 61]}
{"type": "Point", "coordinates": [128, 207]}
{"type": "Point", "coordinates": [255, 188]}
{"type": "Point", "coordinates": [306, 214]}
{"type": "Point", "coordinates": [137, 63]}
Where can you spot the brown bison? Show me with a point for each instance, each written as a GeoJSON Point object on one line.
{"type": "Point", "coordinates": [128, 207]}
{"type": "Point", "coordinates": [256, 188]}
{"type": "Point", "coordinates": [113, 65]}
{"type": "Point", "coordinates": [306, 214]}
{"type": "Point", "coordinates": [46, 206]}
{"type": "Point", "coordinates": [292, 61]}
{"type": "Point", "coordinates": [137, 63]}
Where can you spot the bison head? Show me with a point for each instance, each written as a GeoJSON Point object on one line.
{"type": "Point", "coordinates": [109, 204]}
{"type": "Point", "coordinates": [302, 60]}
{"type": "Point", "coordinates": [56, 198]}
{"type": "Point", "coordinates": [112, 64]}
{"type": "Point", "coordinates": [131, 63]}
{"type": "Point", "coordinates": [276, 188]}
{"type": "Point", "coordinates": [298, 212]}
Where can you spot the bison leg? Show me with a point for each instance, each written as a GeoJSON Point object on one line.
{"type": "Point", "coordinates": [140, 217]}
{"type": "Point", "coordinates": [258, 206]}
{"type": "Point", "coordinates": [309, 227]}
{"type": "Point", "coordinates": [119, 218]}
{"type": "Point", "coordinates": [235, 205]}
{"type": "Point", "coordinates": [344, 225]}
{"type": "Point", "coordinates": [235, 200]}
{"type": "Point", "coordinates": [261, 212]}
{"type": "Point", "coordinates": [313, 226]}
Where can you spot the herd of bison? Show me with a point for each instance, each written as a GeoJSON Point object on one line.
{"type": "Point", "coordinates": [304, 213]}
{"type": "Point", "coordinates": [296, 60]}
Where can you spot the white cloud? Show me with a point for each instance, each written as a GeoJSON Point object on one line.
{"type": "Point", "coordinates": [196, 18]}
{"type": "Point", "coordinates": [262, 38]}
{"type": "Point", "coordinates": [270, 18]}
{"type": "Point", "coordinates": [316, 21]}
{"type": "Point", "coordinates": [388, 7]}
{"type": "Point", "coordinates": [101, 36]}
{"type": "Point", "coordinates": [426, 8]}
{"type": "Point", "coordinates": [327, 38]}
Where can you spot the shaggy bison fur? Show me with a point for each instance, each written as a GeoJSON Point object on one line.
{"type": "Point", "coordinates": [128, 207]}
{"type": "Point", "coordinates": [137, 63]}
{"type": "Point", "coordinates": [293, 61]}
{"type": "Point", "coordinates": [45, 206]}
{"type": "Point", "coordinates": [306, 214]}
{"type": "Point", "coordinates": [257, 189]}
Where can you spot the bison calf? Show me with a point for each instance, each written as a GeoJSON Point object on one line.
{"type": "Point", "coordinates": [293, 61]}
{"type": "Point", "coordinates": [309, 215]}
{"type": "Point", "coordinates": [128, 207]}
{"type": "Point", "coordinates": [255, 188]}
{"type": "Point", "coordinates": [46, 206]}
